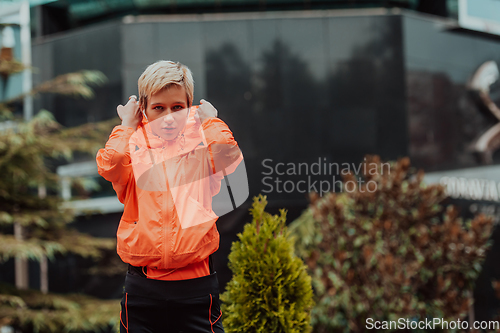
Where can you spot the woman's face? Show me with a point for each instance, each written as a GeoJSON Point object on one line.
{"type": "Point", "coordinates": [167, 112]}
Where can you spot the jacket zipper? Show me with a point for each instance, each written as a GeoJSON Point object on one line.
{"type": "Point", "coordinates": [168, 214]}
{"type": "Point", "coordinates": [169, 225]}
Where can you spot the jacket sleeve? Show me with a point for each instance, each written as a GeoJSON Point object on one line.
{"type": "Point", "coordinates": [113, 161]}
{"type": "Point", "coordinates": [225, 154]}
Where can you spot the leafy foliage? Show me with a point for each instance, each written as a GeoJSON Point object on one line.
{"type": "Point", "coordinates": [389, 251]}
{"type": "Point", "coordinates": [270, 290]}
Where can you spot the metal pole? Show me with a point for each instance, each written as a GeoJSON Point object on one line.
{"type": "Point", "coordinates": [44, 264]}
{"type": "Point", "coordinates": [21, 264]}
{"type": "Point", "coordinates": [24, 14]}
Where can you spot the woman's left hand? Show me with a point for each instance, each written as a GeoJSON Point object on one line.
{"type": "Point", "coordinates": [206, 110]}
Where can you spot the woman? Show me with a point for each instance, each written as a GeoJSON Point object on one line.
{"type": "Point", "coordinates": [166, 161]}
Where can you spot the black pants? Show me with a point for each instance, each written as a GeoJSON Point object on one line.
{"type": "Point", "coordinates": [156, 306]}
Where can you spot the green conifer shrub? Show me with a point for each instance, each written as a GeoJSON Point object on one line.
{"type": "Point", "coordinates": [270, 290]}
{"type": "Point", "coordinates": [29, 151]}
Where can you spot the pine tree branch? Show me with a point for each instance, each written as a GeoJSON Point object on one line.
{"type": "Point", "coordinates": [75, 84]}
{"type": "Point", "coordinates": [31, 309]}
{"type": "Point", "coordinates": [10, 67]}
{"type": "Point", "coordinates": [60, 242]}
{"type": "Point", "coordinates": [85, 245]}
{"type": "Point", "coordinates": [10, 247]}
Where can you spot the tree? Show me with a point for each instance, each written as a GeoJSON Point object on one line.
{"type": "Point", "coordinates": [29, 199]}
{"type": "Point", "coordinates": [270, 290]}
{"type": "Point", "coordinates": [386, 248]}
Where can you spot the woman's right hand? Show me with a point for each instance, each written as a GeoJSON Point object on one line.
{"type": "Point", "coordinates": [130, 114]}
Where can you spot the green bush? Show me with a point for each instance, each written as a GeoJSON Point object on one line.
{"type": "Point", "coordinates": [270, 290]}
{"type": "Point", "coordinates": [389, 252]}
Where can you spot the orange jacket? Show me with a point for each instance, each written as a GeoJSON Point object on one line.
{"type": "Point", "coordinates": [166, 188]}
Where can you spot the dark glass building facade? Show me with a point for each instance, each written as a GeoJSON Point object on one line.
{"type": "Point", "coordinates": [295, 87]}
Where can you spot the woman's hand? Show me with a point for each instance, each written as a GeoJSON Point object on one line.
{"type": "Point", "coordinates": [206, 110]}
{"type": "Point", "coordinates": [130, 114]}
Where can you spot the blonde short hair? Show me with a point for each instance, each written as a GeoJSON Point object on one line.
{"type": "Point", "coordinates": [163, 74]}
